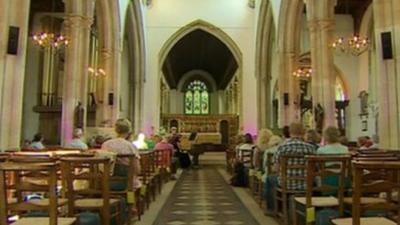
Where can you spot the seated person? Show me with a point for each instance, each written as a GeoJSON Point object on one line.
{"type": "Point", "coordinates": [248, 145]}
{"type": "Point", "coordinates": [273, 144]}
{"type": "Point", "coordinates": [313, 138]}
{"type": "Point", "coordinates": [292, 146]}
{"type": "Point", "coordinates": [332, 140]}
{"type": "Point", "coordinates": [76, 142]}
{"type": "Point", "coordinates": [37, 142]}
{"type": "Point", "coordinates": [263, 138]}
{"type": "Point", "coordinates": [120, 145]}
{"type": "Point", "coordinates": [140, 143]}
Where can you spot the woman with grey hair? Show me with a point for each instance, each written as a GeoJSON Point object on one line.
{"type": "Point", "coordinates": [120, 145]}
{"type": "Point", "coordinates": [332, 140]}
{"type": "Point", "coordinates": [76, 142]}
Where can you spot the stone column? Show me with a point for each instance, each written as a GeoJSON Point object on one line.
{"type": "Point", "coordinates": [386, 19]}
{"type": "Point", "coordinates": [12, 72]}
{"type": "Point", "coordinates": [265, 101]}
{"type": "Point", "coordinates": [78, 20]}
{"type": "Point", "coordinates": [321, 20]}
{"type": "Point", "coordinates": [288, 85]}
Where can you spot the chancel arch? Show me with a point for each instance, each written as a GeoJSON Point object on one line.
{"type": "Point", "coordinates": [201, 79]}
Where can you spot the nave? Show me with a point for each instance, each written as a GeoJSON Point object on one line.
{"type": "Point", "coordinates": [204, 197]}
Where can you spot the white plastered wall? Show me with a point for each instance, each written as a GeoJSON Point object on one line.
{"type": "Point", "coordinates": [166, 17]}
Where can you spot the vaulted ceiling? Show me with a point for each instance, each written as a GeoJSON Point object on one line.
{"type": "Point", "coordinates": [200, 50]}
{"type": "Point", "coordinates": [356, 8]}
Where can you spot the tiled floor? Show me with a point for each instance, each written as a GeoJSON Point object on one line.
{"type": "Point", "coordinates": [203, 197]}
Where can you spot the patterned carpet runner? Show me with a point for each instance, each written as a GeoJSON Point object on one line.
{"type": "Point", "coordinates": [202, 197]}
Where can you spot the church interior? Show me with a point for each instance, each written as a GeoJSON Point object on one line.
{"type": "Point", "coordinates": [199, 112]}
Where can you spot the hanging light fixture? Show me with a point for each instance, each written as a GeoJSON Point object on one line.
{"type": "Point", "coordinates": [355, 45]}
{"type": "Point", "coordinates": [51, 37]}
{"type": "Point", "coordinates": [96, 72]}
{"type": "Point", "coordinates": [303, 72]}
{"type": "Point", "coordinates": [44, 39]}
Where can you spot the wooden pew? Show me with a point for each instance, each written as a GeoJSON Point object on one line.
{"type": "Point", "coordinates": [48, 170]}
{"type": "Point", "coordinates": [94, 193]}
{"type": "Point", "coordinates": [288, 162]}
{"type": "Point", "coordinates": [362, 186]}
{"type": "Point", "coordinates": [322, 167]}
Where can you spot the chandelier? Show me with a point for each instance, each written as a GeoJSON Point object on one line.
{"type": "Point", "coordinates": [96, 72]}
{"type": "Point", "coordinates": [303, 72]}
{"type": "Point", "coordinates": [44, 40]}
{"type": "Point", "coordinates": [355, 45]}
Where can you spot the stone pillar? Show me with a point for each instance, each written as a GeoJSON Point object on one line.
{"type": "Point", "coordinates": [78, 20]}
{"type": "Point", "coordinates": [265, 102]}
{"type": "Point", "coordinates": [321, 20]}
{"type": "Point", "coordinates": [288, 85]}
{"type": "Point", "coordinates": [12, 72]}
{"type": "Point", "coordinates": [386, 19]}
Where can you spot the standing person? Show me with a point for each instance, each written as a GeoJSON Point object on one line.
{"type": "Point", "coordinates": [37, 142]}
{"type": "Point", "coordinates": [76, 142]}
{"type": "Point", "coordinates": [120, 145]}
{"type": "Point", "coordinates": [293, 146]}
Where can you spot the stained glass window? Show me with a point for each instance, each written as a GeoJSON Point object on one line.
{"type": "Point", "coordinates": [339, 90]}
{"type": "Point", "coordinates": [197, 99]}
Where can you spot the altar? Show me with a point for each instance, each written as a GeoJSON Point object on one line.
{"type": "Point", "coordinates": [211, 129]}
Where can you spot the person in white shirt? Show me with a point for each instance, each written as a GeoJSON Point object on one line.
{"type": "Point", "coordinates": [76, 142]}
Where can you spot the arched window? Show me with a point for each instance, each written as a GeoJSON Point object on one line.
{"type": "Point", "coordinates": [197, 99]}
{"type": "Point", "coordinates": [339, 90]}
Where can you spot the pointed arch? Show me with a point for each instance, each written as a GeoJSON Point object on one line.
{"type": "Point", "coordinates": [207, 27]}
{"type": "Point", "coordinates": [220, 35]}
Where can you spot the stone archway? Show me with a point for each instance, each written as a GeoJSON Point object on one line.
{"type": "Point", "coordinates": [215, 32]}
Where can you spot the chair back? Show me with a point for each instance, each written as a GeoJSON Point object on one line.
{"type": "Point", "coordinates": [292, 172]}
{"type": "Point", "coordinates": [269, 162]}
{"type": "Point", "coordinates": [21, 187]}
{"type": "Point", "coordinates": [365, 184]}
{"type": "Point", "coordinates": [162, 158]}
{"type": "Point", "coordinates": [121, 181]}
{"type": "Point", "coordinates": [246, 156]}
{"type": "Point", "coordinates": [93, 175]}
{"type": "Point", "coordinates": [331, 171]}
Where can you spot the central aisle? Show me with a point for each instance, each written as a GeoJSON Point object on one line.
{"type": "Point", "coordinates": [202, 197]}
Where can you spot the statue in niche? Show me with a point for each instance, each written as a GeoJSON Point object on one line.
{"type": "Point", "coordinates": [363, 102]}
{"type": "Point", "coordinates": [78, 116]}
{"type": "Point", "coordinates": [319, 115]}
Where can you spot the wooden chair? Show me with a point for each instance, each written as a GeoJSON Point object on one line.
{"type": "Point", "coordinates": [146, 179]}
{"type": "Point", "coordinates": [19, 170]}
{"type": "Point", "coordinates": [325, 168]}
{"type": "Point", "coordinates": [121, 183]}
{"type": "Point", "coordinates": [364, 185]}
{"type": "Point", "coordinates": [94, 192]}
{"type": "Point", "coordinates": [282, 193]}
{"type": "Point", "coordinates": [230, 160]}
{"type": "Point", "coordinates": [373, 157]}
{"type": "Point", "coordinates": [163, 162]}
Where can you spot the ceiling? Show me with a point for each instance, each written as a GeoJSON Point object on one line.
{"type": "Point", "coordinates": [38, 6]}
{"type": "Point", "coordinates": [356, 8]}
{"type": "Point", "coordinates": [200, 50]}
